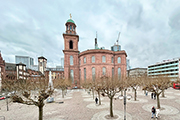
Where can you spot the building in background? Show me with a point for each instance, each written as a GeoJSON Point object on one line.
{"type": "Point", "coordinates": [2, 70]}
{"type": "Point", "coordinates": [93, 63]}
{"type": "Point", "coordinates": [34, 67]}
{"type": "Point", "coordinates": [128, 64]}
{"type": "Point", "coordinates": [11, 72]}
{"type": "Point", "coordinates": [56, 73]}
{"type": "Point", "coordinates": [166, 67]}
{"type": "Point", "coordinates": [137, 72]}
{"type": "Point", "coordinates": [28, 61]}
{"type": "Point", "coordinates": [42, 62]}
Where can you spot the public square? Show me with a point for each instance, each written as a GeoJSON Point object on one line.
{"type": "Point", "coordinates": [80, 105]}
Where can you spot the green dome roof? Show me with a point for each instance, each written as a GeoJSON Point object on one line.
{"type": "Point", "coordinates": [70, 20]}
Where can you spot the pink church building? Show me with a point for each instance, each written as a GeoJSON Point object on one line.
{"type": "Point", "coordinates": [93, 63]}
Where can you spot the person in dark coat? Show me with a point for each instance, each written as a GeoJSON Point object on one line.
{"type": "Point", "coordinates": [153, 112]}
{"type": "Point", "coordinates": [96, 100]}
{"type": "Point", "coordinates": [152, 95]}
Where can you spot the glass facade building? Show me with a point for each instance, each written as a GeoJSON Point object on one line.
{"type": "Point", "coordinates": [28, 61]}
{"type": "Point", "coordinates": [167, 67]}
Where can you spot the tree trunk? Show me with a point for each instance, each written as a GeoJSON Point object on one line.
{"type": "Point", "coordinates": [7, 103]}
{"type": "Point", "coordinates": [111, 107]}
{"type": "Point", "coordinates": [158, 101]}
{"type": "Point", "coordinates": [40, 112]}
{"type": "Point", "coordinates": [163, 93]}
{"type": "Point", "coordinates": [135, 94]}
{"type": "Point", "coordinates": [121, 92]}
{"type": "Point", "coordinates": [65, 91]}
{"type": "Point", "coordinates": [99, 97]}
{"type": "Point", "coordinates": [93, 93]}
{"type": "Point", "coordinates": [62, 93]}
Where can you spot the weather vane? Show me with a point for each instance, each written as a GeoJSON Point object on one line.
{"type": "Point", "coordinates": [70, 16]}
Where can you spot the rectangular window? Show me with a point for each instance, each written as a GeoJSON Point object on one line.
{"type": "Point", "coordinates": [93, 73]}
{"type": "Point", "coordinates": [104, 71]}
{"type": "Point", "coordinates": [119, 73]}
{"type": "Point", "coordinates": [112, 72]}
{"type": "Point", "coordinates": [93, 59]}
{"type": "Point", "coordinates": [84, 74]}
{"type": "Point", "coordinates": [103, 59]}
{"type": "Point", "coordinates": [71, 60]}
{"type": "Point", "coordinates": [112, 60]}
{"type": "Point", "coordinates": [84, 60]}
{"type": "Point", "coordinates": [72, 76]}
{"type": "Point", "coordinates": [119, 59]}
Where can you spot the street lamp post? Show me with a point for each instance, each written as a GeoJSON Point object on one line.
{"type": "Point", "coordinates": [124, 104]}
{"type": "Point", "coordinates": [124, 97]}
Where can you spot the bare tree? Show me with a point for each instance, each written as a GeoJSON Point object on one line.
{"type": "Point", "coordinates": [98, 85]}
{"type": "Point", "coordinates": [62, 84]}
{"type": "Point", "coordinates": [31, 92]}
{"type": "Point", "coordinates": [7, 90]}
{"type": "Point", "coordinates": [134, 83]}
{"type": "Point", "coordinates": [157, 85]}
{"type": "Point", "coordinates": [111, 86]}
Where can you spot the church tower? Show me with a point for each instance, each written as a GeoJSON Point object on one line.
{"type": "Point", "coordinates": [71, 52]}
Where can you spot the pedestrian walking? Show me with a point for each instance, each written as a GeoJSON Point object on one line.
{"type": "Point", "coordinates": [157, 112]}
{"type": "Point", "coordinates": [153, 112]}
{"type": "Point", "coordinates": [152, 95]}
{"type": "Point", "coordinates": [96, 100]}
{"type": "Point", "coordinates": [146, 92]}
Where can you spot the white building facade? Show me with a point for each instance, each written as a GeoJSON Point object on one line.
{"type": "Point", "coordinates": [167, 67]}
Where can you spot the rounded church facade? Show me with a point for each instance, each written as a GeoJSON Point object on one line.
{"type": "Point", "coordinates": [96, 63]}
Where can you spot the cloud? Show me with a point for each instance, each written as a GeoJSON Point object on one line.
{"type": "Point", "coordinates": [149, 29]}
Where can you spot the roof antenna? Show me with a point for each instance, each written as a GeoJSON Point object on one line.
{"type": "Point", "coordinates": [96, 45]}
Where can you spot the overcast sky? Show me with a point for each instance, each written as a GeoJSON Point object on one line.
{"type": "Point", "coordinates": [150, 29]}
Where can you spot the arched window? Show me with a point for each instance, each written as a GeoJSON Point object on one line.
{"type": "Point", "coordinates": [93, 59]}
{"type": "Point", "coordinates": [103, 59]}
{"type": "Point", "coordinates": [84, 60]}
{"type": "Point", "coordinates": [70, 27]}
{"type": "Point", "coordinates": [119, 59]}
{"type": "Point", "coordinates": [84, 74]}
{"type": "Point", "coordinates": [93, 74]}
{"type": "Point", "coordinates": [70, 44]}
{"type": "Point", "coordinates": [112, 72]}
{"type": "Point", "coordinates": [72, 76]}
{"type": "Point", "coordinates": [104, 71]}
{"type": "Point", "coordinates": [79, 74]}
{"type": "Point", "coordinates": [71, 60]}
{"type": "Point", "coordinates": [119, 73]}
{"type": "Point", "coordinates": [112, 60]}
{"type": "Point", "coordinates": [73, 28]}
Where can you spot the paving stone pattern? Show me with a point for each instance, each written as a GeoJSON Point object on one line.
{"type": "Point", "coordinates": [79, 105]}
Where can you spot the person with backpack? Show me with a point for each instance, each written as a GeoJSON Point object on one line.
{"type": "Point", "coordinates": [153, 112]}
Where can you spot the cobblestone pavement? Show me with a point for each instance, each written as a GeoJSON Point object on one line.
{"type": "Point", "coordinates": [79, 105]}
